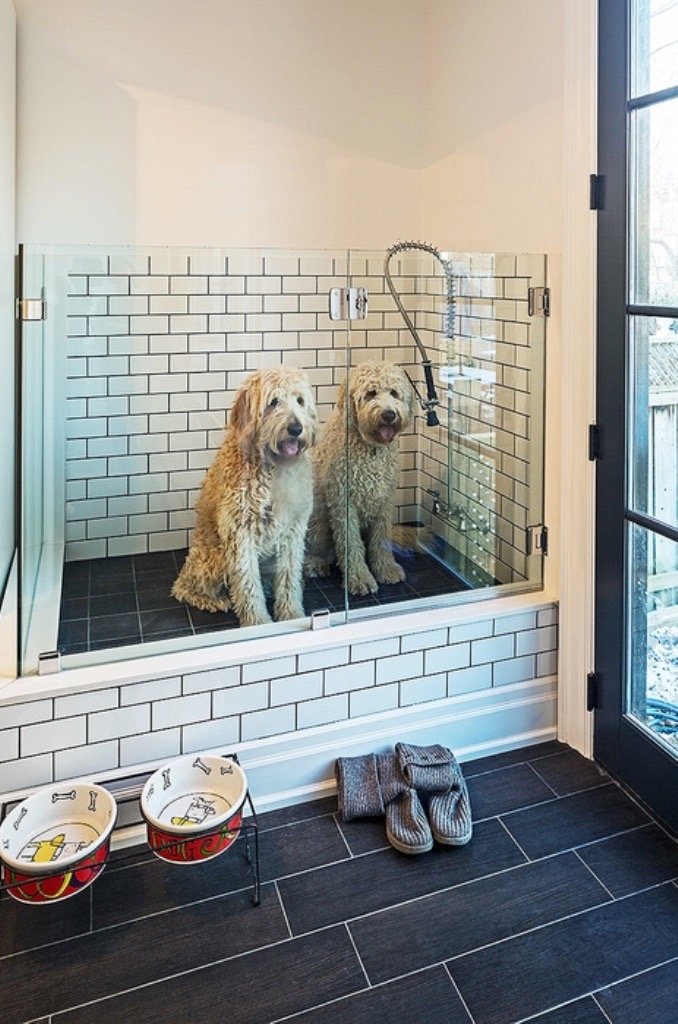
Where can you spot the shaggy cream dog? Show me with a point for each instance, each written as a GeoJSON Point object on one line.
{"type": "Point", "coordinates": [254, 505]}
{"type": "Point", "coordinates": [355, 469]}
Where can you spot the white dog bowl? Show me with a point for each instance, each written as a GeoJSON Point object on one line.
{"type": "Point", "coordinates": [193, 808]}
{"type": "Point", "coordinates": [56, 842]}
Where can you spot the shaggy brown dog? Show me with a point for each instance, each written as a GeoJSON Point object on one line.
{"type": "Point", "coordinates": [355, 469]}
{"type": "Point", "coordinates": [255, 502]}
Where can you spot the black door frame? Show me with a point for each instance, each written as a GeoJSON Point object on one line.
{"type": "Point", "coordinates": [620, 744]}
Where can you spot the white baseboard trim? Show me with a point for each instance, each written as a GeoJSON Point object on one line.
{"type": "Point", "coordinates": [299, 767]}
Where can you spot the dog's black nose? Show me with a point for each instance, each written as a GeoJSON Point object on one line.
{"type": "Point", "coordinates": [295, 428]}
{"type": "Point", "coordinates": [388, 415]}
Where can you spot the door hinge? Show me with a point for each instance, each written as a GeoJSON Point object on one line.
{"type": "Point", "coordinates": [594, 442]}
{"type": "Point", "coordinates": [596, 196]}
{"type": "Point", "coordinates": [537, 539]}
{"type": "Point", "coordinates": [539, 301]}
{"type": "Point", "coordinates": [591, 691]}
{"type": "Point", "coordinates": [348, 303]}
{"type": "Point", "coordinates": [31, 309]}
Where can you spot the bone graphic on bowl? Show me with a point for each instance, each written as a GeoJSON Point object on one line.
{"type": "Point", "coordinates": [92, 805]}
{"type": "Point", "coordinates": [64, 796]}
{"type": "Point", "coordinates": [198, 811]}
{"type": "Point", "coordinates": [226, 769]}
{"type": "Point", "coordinates": [166, 780]}
{"type": "Point", "coordinates": [22, 814]}
{"type": "Point", "coordinates": [203, 767]}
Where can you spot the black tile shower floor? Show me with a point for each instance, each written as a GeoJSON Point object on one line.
{"type": "Point", "coordinates": [351, 932]}
{"type": "Point", "coordinates": [109, 602]}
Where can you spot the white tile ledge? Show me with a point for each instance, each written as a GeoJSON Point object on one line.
{"type": "Point", "coordinates": [298, 641]}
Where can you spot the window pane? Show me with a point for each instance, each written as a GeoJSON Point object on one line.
{"type": "Point", "coordinates": [653, 612]}
{"type": "Point", "coordinates": [653, 434]}
{"type": "Point", "coordinates": [656, 45]}
{"type": "Point", "coordinates": [654, 238]}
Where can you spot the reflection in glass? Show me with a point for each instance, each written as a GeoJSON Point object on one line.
{"type": "Point", "coordinates": [656, 45]}
{"type": "Point", "coordinates": [653, 436]}
{"type": "Point", "coordinates": [653, 612]}
{"type": "Point", "coordinates": [655, 168]}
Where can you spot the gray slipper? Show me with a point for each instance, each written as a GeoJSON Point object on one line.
{"type": "Point", "coordinates": [431, 769]}
{"type": "Point", "coordinates": [450, 814]}
{"type": "Point", "coordinates": [407, 827]}
{"type": "Point", "coordinates": [358, 789]}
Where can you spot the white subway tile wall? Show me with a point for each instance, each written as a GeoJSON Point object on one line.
{"type": "Point", "coordinates": [159, 341]}
{"type": "Point", "coordinates": [121, 726]}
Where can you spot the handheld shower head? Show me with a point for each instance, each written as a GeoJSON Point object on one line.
{"type": "Point", "coordinates": [428, 405]}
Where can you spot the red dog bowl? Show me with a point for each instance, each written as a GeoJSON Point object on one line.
{"type": "Point", "coordinates": [56, 842]}
{"type": "Point", "coordinates": [193, 808]}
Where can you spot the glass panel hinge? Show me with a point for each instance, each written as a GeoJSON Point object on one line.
{"type": "Point", "coordinates": [348, 303]}
{"type": "Point", "coordinates": [536, 540]}
{"type": "Point", "coordinates": [539, 301]}
{"type": "Point", "coordinates": [31, 309]}
{"type": "Point", "coordinates": [49, 662]}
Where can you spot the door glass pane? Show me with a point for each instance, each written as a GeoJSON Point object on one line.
{"type": "Point", "coordinates": [654, 418]}
{"type": "Point", "coordinates": [656, 45]}
{"type": "Point", "coordinates": [653, 616]}
{"type": "Point", "coordinates": [654, 170]}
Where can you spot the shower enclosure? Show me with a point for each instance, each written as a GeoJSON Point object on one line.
{"type": "Point", "coordinates": [130, 361]}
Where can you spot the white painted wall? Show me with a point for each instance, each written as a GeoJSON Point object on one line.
{"type": "Point", "coordinates": [7, 106]}
{"type": "Point", "coordinates": [288, 123]}
{"type": "Point", "coordinates": [301, 123]}
{"type": "Point", "coordinates": [494, 99]}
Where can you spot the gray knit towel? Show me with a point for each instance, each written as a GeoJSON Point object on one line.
{"type": "Point", "coordinates": [358, 790]}
{"type": "Point", "coordinates": [433, 769]}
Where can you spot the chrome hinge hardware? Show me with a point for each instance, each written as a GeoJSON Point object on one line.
{"type": "Point", "coordinates": [49, 662]}
{"type": "Point", "coordinates": [539, 301]}
{"type": "Point", "coordinates": [536, 540]}
{"type": "Point", "coordinates": [31, 309]}
{"type": "Point", "coordinates": [348, 303]}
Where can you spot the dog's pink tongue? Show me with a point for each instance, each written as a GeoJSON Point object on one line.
{"type": "Point", "coordinates": [290, 447]}
{"type": "Point", "coordinates": [386, 433]}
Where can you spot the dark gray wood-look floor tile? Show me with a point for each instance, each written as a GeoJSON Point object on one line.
{"type": "Point", "coordinates": [521, 755]}
{"type": "Point", "coordinates": [364, 835]}
{"type": "Point", "coordinates": [506, 790]}
{"type": "Point", "coordinates": [652, 996]}
{"type": "Point", "coordinates": [573, 820]}
{"type": "Point", "coordinates": [257, 988]}
{"type": "Point", "coordinates": [634, 860]}
{"type": "Point", "coordinates": [569, 772]}
{"type": "Point", "coordinates": [149, 886]}
{"type": "Point", "coordinates": [300, 846]}
{"type": "Point", "coordinates": [444, 925]}
{"type": "Point", "coordinates": [564, 961]}
{"type": "Point", "coordinates": [427, 997]}
{"type": "Point", "coordinates": [582, 1011]}
{"type": "Point", "coordinates": [74, 972]}
{"type": "Point", "coordinates": [377, 880]}
{"type": "Point", "coordinates": [297, 812]}
{"type": "Point", "coordinates": [25, 927]}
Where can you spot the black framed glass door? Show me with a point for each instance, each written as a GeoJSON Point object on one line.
{"type": "Point", "coordinates": [636, 719]}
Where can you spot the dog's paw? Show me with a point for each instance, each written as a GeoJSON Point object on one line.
{"type": "Point", "coordinates": [316, 567]}
{"type": "Point", "coordinates": [392, 573]}
{"type": "Point", "coordinates": [361, 584]}
{"type": "Point", "coordinates": [286, 612]}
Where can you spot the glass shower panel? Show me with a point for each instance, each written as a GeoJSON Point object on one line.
{"type": "Point", "coordinates": [466, 507]}
{"type": "Point", "coordinates": [150, 348]}
{"type": "Point", "coordinates": [41, 461]}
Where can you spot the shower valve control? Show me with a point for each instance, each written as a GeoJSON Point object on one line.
{"type": "Point", "coordinates": [348, 303]}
